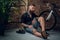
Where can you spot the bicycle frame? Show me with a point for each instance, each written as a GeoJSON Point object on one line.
{"type": "Point", "coordinates": [49, 16]}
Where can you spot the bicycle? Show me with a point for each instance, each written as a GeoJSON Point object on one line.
{"type": "Point", "coordinates": [50, 17]}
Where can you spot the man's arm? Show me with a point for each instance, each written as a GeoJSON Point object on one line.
{"type": "Point", "coordinates": [25, 25]}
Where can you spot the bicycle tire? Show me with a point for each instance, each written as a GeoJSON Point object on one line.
{"type": "Point", "coordinates": [54, 20]}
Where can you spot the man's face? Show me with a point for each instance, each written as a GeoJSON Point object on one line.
{"type": "Point", "coordinates": [32, 8]}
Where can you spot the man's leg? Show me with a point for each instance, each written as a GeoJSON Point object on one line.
{"type": "Point", "coordinates": [33, 31]}
{"type": "Point", "coordinates": [42, 24]}
{"type": "Point", "coordinates": [36, 33]}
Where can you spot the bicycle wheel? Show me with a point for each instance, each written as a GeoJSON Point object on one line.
{"type": "Point", "coordinates": [50, 24]}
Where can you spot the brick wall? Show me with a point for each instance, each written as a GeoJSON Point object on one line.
{"type": "Point", "coordinates": [42, 6]}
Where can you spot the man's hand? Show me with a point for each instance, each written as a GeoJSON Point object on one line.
{"type": "Point", "coordinates": [25, 25]}
{"type": "Point", "coordinates": [33, 21]}
{"type": "Point", "coordinates": [30, 26]}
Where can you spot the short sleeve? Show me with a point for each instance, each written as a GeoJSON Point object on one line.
{"type": "Point", "coordinates": [22, 19]}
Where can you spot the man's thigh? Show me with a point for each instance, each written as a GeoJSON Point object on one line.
{"type": "Point", "coordinates": [36, 24]}
{"type": "Point", "coordinates": [35, 27]}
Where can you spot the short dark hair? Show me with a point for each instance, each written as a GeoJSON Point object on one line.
{"type": "Point", "coordinates": [32, 5]}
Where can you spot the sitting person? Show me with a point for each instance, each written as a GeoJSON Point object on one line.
{"type": "Point", "coordinates": [30, 23]}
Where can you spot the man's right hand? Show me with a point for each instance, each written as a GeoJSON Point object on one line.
{"type": "Point", "coordinates": [25, 25]}
{"type": "Point", "coordinates": [30, 26]}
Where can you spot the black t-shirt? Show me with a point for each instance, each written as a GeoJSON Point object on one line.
{"type": "Point", "coordinates": [27, 19]}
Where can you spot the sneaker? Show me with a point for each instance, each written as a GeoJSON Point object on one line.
{"type": "Point", "coordinates": [44, 35]}
{"type": "Point", "coordinates": [47, 34]}
{"type": "Point", "coordinates": [21, 31]}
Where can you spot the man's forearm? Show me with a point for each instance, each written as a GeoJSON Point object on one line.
{"type": "Point", "coordinates": [25, 25]}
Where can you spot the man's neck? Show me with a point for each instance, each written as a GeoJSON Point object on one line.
{"type": "Point", "coordinates": [29, 13]}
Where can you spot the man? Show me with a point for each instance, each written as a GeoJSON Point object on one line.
{"type": "Point", "coordinates": [29, 21]}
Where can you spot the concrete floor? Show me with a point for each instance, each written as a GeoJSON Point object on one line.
{"type": "Point", "coordinates": [12, 35]}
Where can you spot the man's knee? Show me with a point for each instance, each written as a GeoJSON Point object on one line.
{"type": "Point", "coordinates": [34, 31]}
{"type": "Point", "coordinates": [41, 19]}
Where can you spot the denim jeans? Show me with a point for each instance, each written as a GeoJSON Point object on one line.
{"type": "Point", "coordinates": [36, 25]}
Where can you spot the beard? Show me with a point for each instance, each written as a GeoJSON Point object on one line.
{"type": "Point", "coordinates": [31, 11]}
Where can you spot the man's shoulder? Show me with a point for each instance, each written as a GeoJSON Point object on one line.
{"type": "Point", "coordinates": [25, 14]}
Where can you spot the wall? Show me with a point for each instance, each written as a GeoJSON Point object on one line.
{"type": "Point", "coordinates": [42, 6]}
